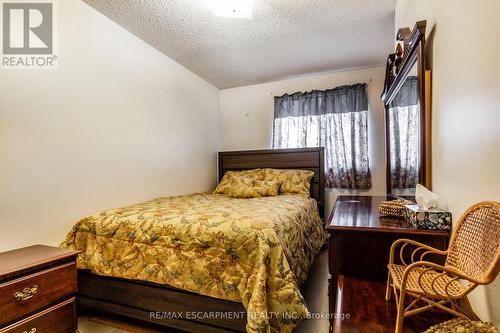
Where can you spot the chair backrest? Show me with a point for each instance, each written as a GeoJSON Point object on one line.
{"type": "Point", "coordinates": [475, 244]}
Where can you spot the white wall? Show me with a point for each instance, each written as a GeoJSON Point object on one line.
{"type": "Point", "coordinates": [465, 106]}
{"type": "Point", "coordinates": [117, 123]}
{"type": "Point", "coordinates": [246, 117]}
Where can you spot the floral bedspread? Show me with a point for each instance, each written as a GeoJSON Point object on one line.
{"type": "Point", "coordinates": [255, 251]}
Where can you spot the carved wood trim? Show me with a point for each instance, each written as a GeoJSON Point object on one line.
{"type": "Point", "coordinates": [412, 44]}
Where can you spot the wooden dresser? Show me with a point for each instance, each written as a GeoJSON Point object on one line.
{"type": "Point", "coordinates": [37, 290]}
{"type": "Point", "coordinates": [360, 240]}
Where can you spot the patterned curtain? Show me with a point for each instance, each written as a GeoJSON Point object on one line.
{"type": "Point", "coordinates": [404, 135]}
{"type": "Point", "coordinates": [335, 119]}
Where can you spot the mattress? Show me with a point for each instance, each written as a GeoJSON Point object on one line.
{"type": "Point", "coordinates": [256, 251]}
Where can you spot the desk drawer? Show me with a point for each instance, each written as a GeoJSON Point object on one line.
{"type": "Point", "coordinates": [60, 318]}
{"type": "Point", "coordinates": [29, 293]}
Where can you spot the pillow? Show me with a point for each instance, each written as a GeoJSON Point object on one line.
{"type": "Point", "coordinates": [292, 181]}
{"type": "Point", "coordinates": [235, 178]}
{"type": "Point", "coordinates": [257, 174]}
{"type": "Point", "coordinates": [270, 188]}
{"type": "Point", "coordinates": [260, 188]}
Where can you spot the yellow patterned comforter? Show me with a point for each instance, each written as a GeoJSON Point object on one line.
{"type": "Point", "coordinates": [255, 251]}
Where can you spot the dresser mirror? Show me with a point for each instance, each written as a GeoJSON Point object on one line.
{"type": "Point", "coordinates": [406, 97]}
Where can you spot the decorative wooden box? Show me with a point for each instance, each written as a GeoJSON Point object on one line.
{"type": "Point", "coordinates": [433, 218]}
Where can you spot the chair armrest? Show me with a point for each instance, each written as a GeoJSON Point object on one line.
{"type": "Point", "coordinates": [420, 247]}
{"type": "Point", "coordinates": [429, 287]}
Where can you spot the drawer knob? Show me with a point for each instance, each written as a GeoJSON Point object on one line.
{"type": "Point", "coordinates": [24, 295]}
{"type": "Point", "coordinates": [33, 330]}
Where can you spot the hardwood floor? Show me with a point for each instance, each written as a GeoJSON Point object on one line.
{"type": "Point", "coordinates": [93, 324]}
{"type": "Point", "coordinates": [368, 311]}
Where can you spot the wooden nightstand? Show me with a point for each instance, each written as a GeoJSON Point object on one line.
{"type": "Point", "coordinates": [37, 290]}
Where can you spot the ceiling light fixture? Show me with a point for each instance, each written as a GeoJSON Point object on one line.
{"type": "Point", "coordinates": [234, 8]}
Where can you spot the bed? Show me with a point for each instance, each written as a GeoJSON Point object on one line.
{"type": "Point", "coordinates": [205, 262]}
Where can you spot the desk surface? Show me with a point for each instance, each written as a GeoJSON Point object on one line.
{"type": "Point", "coordinates": [360, 213]}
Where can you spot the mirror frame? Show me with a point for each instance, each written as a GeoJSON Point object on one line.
{"type": "Point", "coordinates": [399, 65]}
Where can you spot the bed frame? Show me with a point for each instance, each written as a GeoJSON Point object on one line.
{"type": "Point", "coordinates": [161, 304]}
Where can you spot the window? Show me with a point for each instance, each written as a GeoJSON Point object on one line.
{"type": "Point", "coordinates": [404, 132]}
{"type": "Point", "coordinates": [335, 119]}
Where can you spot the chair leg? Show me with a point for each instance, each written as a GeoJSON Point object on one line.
{"type": "Point", "coordinates": [388, 288]}
{"type": "Point", "coordinates": [463, 306]}
{"type": "Point", "coordinates": [401, 308]}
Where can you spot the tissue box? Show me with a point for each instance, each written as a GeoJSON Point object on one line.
{"type": "Point", "coordinates": [433, 218]}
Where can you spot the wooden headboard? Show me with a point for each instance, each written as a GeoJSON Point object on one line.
{"type": "Point", "coordinates": [301, 158]}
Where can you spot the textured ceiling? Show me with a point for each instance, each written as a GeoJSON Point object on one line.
{"type": "Point", "coordinates": [284, 38]}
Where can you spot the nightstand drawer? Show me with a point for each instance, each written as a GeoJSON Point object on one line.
{"type": "Point", "coordinates": [29, 293]}
{"type": "Point", "coordinates": [60, 318]}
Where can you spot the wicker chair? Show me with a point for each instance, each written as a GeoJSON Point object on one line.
{"type": "Point", "coordinates": [472, 258]}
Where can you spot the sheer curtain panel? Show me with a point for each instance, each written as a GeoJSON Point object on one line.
{"type": "Point", "coordinates": [335, 119]}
